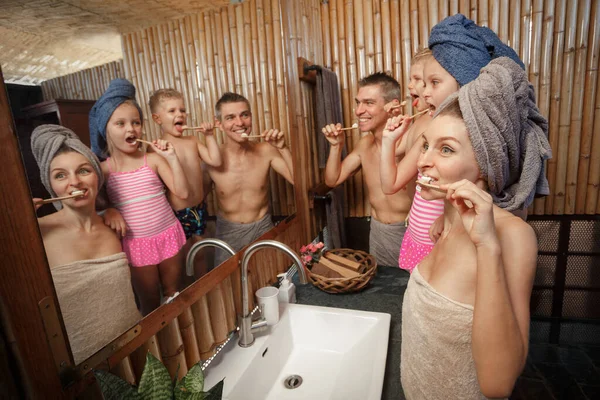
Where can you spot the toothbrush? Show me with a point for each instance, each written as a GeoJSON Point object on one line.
{"type": "Point", "coordinates": [76, 193]}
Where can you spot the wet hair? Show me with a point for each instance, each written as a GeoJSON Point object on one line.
{"type": "Point", "coordinates": [162, 94]}
{"type": "Point", "coordinates": [227, 98]}
{"type": "Point", "coordinates": [421, 56]}
{"type": "Point", "coordinates": [390, 87]}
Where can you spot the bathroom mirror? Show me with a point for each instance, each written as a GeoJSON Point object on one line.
{"type": "Point", "coordinates": [30, 110]}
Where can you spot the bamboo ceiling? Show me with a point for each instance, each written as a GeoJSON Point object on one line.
{"type": "Point", "coordinates": [40, 40]}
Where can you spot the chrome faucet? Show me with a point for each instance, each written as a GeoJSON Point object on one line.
{"type": "Point", "coordinates": [246, 325]}
{"type": "Point", "coordinates": [196, 247]}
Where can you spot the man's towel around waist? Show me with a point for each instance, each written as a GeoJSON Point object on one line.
{"type": "Point", "coordinates": [239, 235]}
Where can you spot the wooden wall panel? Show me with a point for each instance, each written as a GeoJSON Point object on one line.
{"type": "Point", "coordinates": [234, 48]}
{"type": "Point", "coordinates": [557, 40]}
{"type": "Point", "coordinates": [88, 84]}
{"type": "Point", "coordinates": [206, 54]}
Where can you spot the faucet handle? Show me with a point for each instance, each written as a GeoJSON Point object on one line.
{"type": "Point", "coordinates": [261, 313]}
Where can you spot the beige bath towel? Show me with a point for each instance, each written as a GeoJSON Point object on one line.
{"type": "Point", "coordinates": [96, 301]}
{"type": "Point", "coordinates": [385, 241]}
{"type": "Point", "coordinates": [436, 360]}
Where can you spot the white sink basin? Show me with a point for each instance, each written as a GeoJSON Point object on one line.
{"type": "Point", "coordinates": [338, 353]}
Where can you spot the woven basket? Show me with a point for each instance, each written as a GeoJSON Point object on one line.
{"type": "Point", "coordinates": [346, 285]}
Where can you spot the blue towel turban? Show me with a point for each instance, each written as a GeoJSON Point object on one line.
{"type": "Point", "coordinates": [119, 91]}
{"type": "Point", "coordinates": [463, 48]}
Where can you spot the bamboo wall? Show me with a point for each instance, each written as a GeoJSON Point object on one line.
{"type": "Point", "coordinates": [204, 55]}
{"type": "Point", "coordinates": [557, 40]}
{"type": "Point", "coordinates": [88, 84]}
{"type": "Point", "coordinates": [235, 48]}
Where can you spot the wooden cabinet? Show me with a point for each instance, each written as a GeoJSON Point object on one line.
{"type": "Point", "coordinates": [72, 114]}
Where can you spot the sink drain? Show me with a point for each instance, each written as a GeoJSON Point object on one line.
{"type": "Point", "coordinates": [293, 381]}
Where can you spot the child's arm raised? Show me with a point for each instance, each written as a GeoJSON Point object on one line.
{"type": "Point", "coordinates": [111, 216]}
{"type": "Point", "coordinates": [395, 177]}
{"type": "Point", "coordinates": [210, 153]}
{"type": "Point", "coordinates": [169, 168]}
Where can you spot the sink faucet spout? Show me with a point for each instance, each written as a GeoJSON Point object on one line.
{"type": "Point", "coordinates": [246, 336]}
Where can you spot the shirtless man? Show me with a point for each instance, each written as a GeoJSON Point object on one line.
{"type": "Point", "coordinates": [242, 180]}
{"type": "Point", "coordinates": [388, 212]}
{"type": "Point", "coordinates": [169, 112]}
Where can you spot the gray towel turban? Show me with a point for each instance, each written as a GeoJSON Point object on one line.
{"type": "Point", "coordinates": [463, 47]}
{"type": "Point", "coordinates": [118, 92]}
{"type": "Point", "coordinates": [46, 140]}
{"type": "Point", "coordinates": [508, 133]}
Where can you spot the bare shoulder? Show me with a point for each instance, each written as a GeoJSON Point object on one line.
{"type": "Point", "coordinates": [154, 159]}
{"type": "Point", "coordinates": [108, 236]}
{"type": "Point", "coordinates": [517, 238]}
{"type": "Point", "coordinates": [50, 223]}
{"type": "Point", "coordinates": [366, 142]}
{"type": "Point", "coordinates": [265, 149]}
{"type": "Point", "coordinates": [104, 167]}
{"type": "Point", "coordinates": [190, 140]}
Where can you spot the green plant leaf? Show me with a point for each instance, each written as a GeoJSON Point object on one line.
{"type": "Point", "coordinates": [155, 383]}
{"type": "Point", "coordinates": [194, 380]}
{"type": "Point", "coordinates": [176, 376]}
{"type": "Point", "coordinates": [180, 392]}
{"type": "Point", "coordinates": [215, 393]}
{"type": "Point", "coordinates": [115, 388]}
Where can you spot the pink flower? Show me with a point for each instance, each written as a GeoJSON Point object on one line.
{"type": "Point", "coordinates": [320, 245]}
{"type": "Point", "coordinates": [303, 249]}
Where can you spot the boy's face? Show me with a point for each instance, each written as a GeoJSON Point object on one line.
{"type": "Point", "coordinates": [236, 119]}
{"type": "Point", "coordinates": [170, 115]}
{"type": "Point", "coordinates": [369, 109]}
{"type": "Point", "coordinates": [416, 86]}
{"type": "Point", "coordinates": [439, 84]}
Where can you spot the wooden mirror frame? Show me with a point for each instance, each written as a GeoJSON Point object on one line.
{"type": "Point", "coordinates": [30, 312]}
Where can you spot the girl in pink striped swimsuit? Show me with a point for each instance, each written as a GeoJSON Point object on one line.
{"type": "Point", "coordinates": [134, 183]}
{"type": "Point", "coordinates": [416, 243]}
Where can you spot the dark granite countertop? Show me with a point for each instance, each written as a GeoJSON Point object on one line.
{"type": "Point", "coordinates": [384, 294]}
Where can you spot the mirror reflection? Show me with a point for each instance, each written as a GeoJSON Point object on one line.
{"type": "Point", "coordinates": [130, 210]}
{"type": "Point", "coordinates": [92, 271]}
{"type": "Point", "coordinates": [209, 172]}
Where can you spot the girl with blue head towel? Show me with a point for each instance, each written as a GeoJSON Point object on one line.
{"type": "Point", "coordinates": [135, 180]}
{"type": "Point", "coordinates": [459, 49]}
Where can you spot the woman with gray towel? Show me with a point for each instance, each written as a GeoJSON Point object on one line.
{"type": "Point", "coordinates": [465, 314]}
{"type": "Point", "coordinates": [88, 267]}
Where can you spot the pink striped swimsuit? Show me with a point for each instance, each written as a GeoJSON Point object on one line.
{"type": "Point", "coordinates": [416, 243]}
{"type": "Point", "coordinates": [153, 231]}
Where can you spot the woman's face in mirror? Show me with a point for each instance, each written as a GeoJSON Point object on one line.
{"type": "Point", "coordinates": [447, 155]}
{"type": "Point", "coordinates": [71, 171]}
